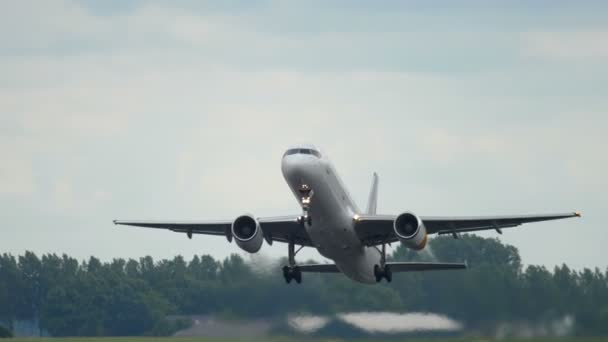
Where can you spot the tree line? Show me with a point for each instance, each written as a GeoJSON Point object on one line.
{"type": "Point", "coordinates": [133, 297]}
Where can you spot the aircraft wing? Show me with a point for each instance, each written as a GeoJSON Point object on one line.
{"type": "Point", "coordinates": [280, 228]}
{"type": "Point", "coordinates": [377, 229]}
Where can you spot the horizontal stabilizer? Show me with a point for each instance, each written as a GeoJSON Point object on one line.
{"type": "Point", "coordinates": [424, 266]}
{"type": "Point", "coordinates": [394, 266]}
{"type": "Point", "coordinates": [319, 268]}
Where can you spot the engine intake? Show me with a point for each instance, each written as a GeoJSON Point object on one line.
{"type": "Point", "coordinates": [247, 233]}
{"type": "Point", "coordinates": [410, 230]}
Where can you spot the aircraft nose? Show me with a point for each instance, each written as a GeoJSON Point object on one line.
{"type": "Point", "coordinates": [296, 166]}
{"type": "Point", "coordinates": [289, 166]}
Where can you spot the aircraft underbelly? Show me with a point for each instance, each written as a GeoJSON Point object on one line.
{"type": "Point", "coordinates": [332, 230]}
{"type": "Point", "coordinates": [332, 224]}
{"type": "Point", "coordinates": [360, 267]}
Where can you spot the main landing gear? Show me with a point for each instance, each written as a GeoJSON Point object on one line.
{"type": "Point", "coordinates": [383, 270]}
{"type": "Point", "coordinates": [292, 271]}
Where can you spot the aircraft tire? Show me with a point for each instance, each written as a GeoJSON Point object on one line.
{"type": "Point", "coordinates": [287, 274]}
{"type": "Point", "coordinates": [388, 274]}
{"type": "Point", "coordinates": [297, 274]}
{"type": "Point", "coordinates": [378, 273]}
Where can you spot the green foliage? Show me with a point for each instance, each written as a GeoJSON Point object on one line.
{"type": "Point", "coordinates": [134, 297]}
{"type": "Point", "coordinates": [4, 332]}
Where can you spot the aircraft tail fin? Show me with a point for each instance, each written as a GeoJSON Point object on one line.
{"type": "Point", "coordinates": [372, 201]}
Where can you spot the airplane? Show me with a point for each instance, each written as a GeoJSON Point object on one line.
{"type": "Point", "coordinates": [332, 223]}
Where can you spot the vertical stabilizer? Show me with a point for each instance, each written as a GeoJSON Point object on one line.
{"type": "Point", "coordinates": [372, 201]}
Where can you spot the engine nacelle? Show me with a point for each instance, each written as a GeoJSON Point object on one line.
{"type": "Point", "coordinates": [248, 234]}
{"type": "Point", "coordinates": [410, 230]}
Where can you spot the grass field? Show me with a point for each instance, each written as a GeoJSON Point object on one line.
{"type": "Point", "coordinates": [291, 339]}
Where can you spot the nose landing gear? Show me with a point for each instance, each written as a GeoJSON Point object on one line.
{"type": "Point", "coordinates": [306, 194]}
{"type": "Point", "coordinates": [305, 190]}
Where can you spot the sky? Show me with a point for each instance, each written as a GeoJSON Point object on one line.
{"type": "Point", "coordinates": [182, 109]}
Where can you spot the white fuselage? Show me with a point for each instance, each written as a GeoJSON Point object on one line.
{"type": "Point", "coordinates": [332, 211]}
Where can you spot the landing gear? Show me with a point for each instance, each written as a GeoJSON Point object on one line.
{"type": "Point", "coordinates": [383, 270]}
{"type": "Point", "coordinates": [305, 196]}
{"type": "Point", "coordinates": [292, 271]}
{"type": "Point", "coordinates": [305, 191]}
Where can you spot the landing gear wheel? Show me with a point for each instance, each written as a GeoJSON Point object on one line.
{"type": "Point", "coordinates": [378, 273]}
{"type": "Point", "coordinates": [383, 272]}
{"type": "Point", "coordinates": [287, 274]}
{"type": "Point", "coordinates": [292, 273]}
{"type": "Point", "coordinates": [388, 274]}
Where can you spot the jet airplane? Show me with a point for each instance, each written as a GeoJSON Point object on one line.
{"type": "Point", "coordinates": [331, 222]}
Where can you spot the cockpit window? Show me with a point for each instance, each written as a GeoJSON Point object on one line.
{"type": "Point", "coordinates": [303, 151]}
{"type": "Point", "coordinates": [292, 151]}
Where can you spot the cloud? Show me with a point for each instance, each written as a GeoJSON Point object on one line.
{"type": "Point", "coordinates": [567, 46]}
{"type": "Point", "coordinates": [16, 172]}
{"type": "Point", "coordinates": [446, 146]}
{"type": "Point", "coordinates": [252, 39]}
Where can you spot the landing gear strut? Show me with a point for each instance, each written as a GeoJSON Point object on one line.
{"type": "Point", "coordinates": [383, 270]}
{"type": "Point", "coordinates": [305, 196]}
{"type": "Point", "coordinates": [292, 271]}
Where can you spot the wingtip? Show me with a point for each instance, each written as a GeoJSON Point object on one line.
{"type": "Point", "coordinates": [115, 222]}
{"type": "Point", "coordinates": [578, 214]}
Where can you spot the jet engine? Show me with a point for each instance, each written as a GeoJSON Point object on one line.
{"type": "Point", "coordinates": [247, 233]}
{"type": "Point", "coordinates": [410, 230]}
